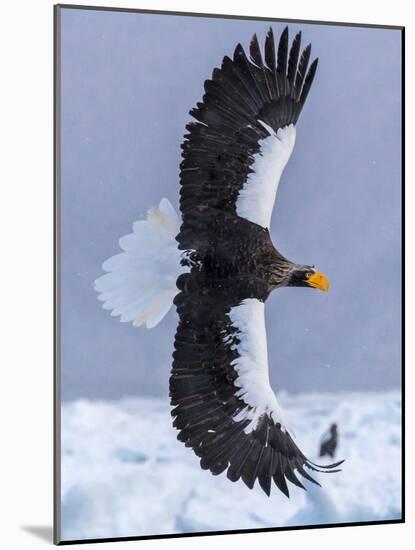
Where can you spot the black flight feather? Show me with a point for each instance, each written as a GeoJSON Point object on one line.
{"type": "Point", "coordinates": [302, 70]}
{"type": "Point", "coordinates": [255, 52]}
{"type": "Point", "coordinates": [270, 50]}
{"type": "Point", "coordinates": [283, 52]}
{"type": "Point", "coordinates": [293, 60]}
{"type": "Point", "coordinates": [308, 81]}
{"type": "Point", "coordinates": [301, 471]}
{"type": "Point", "coordinates": [290, 475]}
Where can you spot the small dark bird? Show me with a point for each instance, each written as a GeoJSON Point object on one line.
{"type": "Point", "coordinates": [329, 441]}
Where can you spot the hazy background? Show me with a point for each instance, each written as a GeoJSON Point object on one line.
{"type": "Point", "coordinates": [128, 82]}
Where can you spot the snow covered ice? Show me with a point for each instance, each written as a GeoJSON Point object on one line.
{"type": "Point", "coordinates": [125, 474]}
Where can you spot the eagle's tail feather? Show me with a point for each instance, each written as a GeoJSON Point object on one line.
{"type": "Point", "coordinates": [140, 282]}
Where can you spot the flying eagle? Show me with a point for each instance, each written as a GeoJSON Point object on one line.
{"type": "Point", "coordinates": [218, 266]}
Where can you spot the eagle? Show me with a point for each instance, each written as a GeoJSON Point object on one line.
{"type": "Point", "coordinates": [329, 441]}
{"type": "Point", "coordinates": [218, 265]}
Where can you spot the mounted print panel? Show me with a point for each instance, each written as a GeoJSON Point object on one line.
{"type": "Point", "coordinates": [229, 274]}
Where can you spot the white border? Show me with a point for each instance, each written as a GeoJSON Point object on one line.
{"type": "Point", "coordinates": [26, 268]}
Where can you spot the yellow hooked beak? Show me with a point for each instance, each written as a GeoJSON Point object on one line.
{"type": "Point", "coordinates": [319, 280]}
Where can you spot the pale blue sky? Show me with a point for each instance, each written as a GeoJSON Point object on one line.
{"type": "Point", "coordinates": [128, 83]}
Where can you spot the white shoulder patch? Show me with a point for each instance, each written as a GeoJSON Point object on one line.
{"type": "Point", "coordinates": [256, 199]}
{"type": "Point", "coordinates": [252, 364]}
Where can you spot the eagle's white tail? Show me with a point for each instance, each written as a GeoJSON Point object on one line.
{"type": "Point", "coordinates": [140, 282]}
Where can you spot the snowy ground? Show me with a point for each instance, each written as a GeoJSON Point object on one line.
{"type": "Point", "coordinates": [125, 474]}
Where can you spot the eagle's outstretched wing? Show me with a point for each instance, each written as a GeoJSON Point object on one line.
{"type": "Point", "coordinates": [224, 406]}
{"type": "Point", "coordinates": [234, 155]}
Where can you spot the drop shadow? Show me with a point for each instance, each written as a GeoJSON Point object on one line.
{"type": "Point", "coordinates": [44, 532]}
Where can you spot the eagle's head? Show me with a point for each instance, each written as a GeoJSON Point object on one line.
{"type": "Point", "coordinates": [307, 276]}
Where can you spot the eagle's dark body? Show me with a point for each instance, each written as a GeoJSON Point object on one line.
{"type": "Point", "coordinates": [235, 254]}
